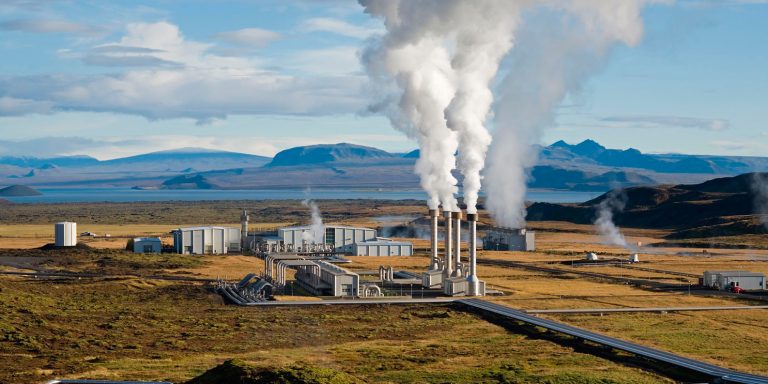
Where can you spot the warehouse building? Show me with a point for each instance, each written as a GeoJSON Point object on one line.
{"type": "Point", "coordinates": [332, 280]}
{"type": "Point", "coordinates": [382, 247]}
{"type": "Point", "coordinates": [206, 240]}
{"type": "Point", "coordinates": [726, 280]}
{"type": "Point", "coordinates": [147, 245]}
{"type": "Point", "coordinates": [66, 234]}
{"type": "Point", "coordinates": [504, 239]}
{"type": "Point", "coordinates": [341, 237]}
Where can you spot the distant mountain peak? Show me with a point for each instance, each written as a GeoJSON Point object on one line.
{"type": "Point", "coordinates": [589, 146]}
{"type": "Point", "coordinates": [187, 150]}
{"type": "Point", "coordinates": [327, 153]}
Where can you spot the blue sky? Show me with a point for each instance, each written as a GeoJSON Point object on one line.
{"type": "Point", "coordinates": [116, 78]}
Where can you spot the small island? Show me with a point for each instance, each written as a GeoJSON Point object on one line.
{"type": "Point", "coordinates": [19, 191]}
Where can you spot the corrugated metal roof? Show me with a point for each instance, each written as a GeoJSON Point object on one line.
{"type": "Point", "coordinates": [153, 239]}
{"type": "Point", "coordinates": [307, 227]}
{"type": "Point", "coordinates": [384, 242]}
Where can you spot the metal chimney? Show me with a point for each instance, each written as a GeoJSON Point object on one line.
{"type": "Point", "coordinates": [448, 260]}
{"type": "Point", "coordinates": [457, 244]}
{"type": "Point", "coordinates": [473, 283]}
{"type": "Point", "coordinates": [243, 230]}
{"type": "Point", "coordinates": [434, 264]}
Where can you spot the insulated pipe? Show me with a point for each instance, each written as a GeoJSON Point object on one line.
{"type": "Point", "coordinates": [473, 283]}
{"type": "Point", "coordinates": [457, 243]}
{"type": "Point", "coordinates": [433, 262]}
{"type": "Point", "coordinates": [448, 259]}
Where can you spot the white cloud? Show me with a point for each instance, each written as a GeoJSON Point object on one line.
{"type": "Point", "coordinates": [342, 60]}
{"type": "Point", "coordinates": [251, 37]}
{"type": "Point", "coordinates": [49, 26]}
{"type": "Point", "coordinates": [720, 3]}
{"type": "Point", "coordinates": [668, 122]}
{"type": "Point", "coordinates": [339, 27]}
{"type": "Point", "coordinates": [177, 77]}
{"type": "Point", "coordinates": [754, 147]}
{"type": "Point", "coordinates": [25, 5]}
{"type": "Point", "coordinates": [10, 106]}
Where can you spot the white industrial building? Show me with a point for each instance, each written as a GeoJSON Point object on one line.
{"type": "Point", "coordinates": [316, 276]}
{"type": "Point", "coordinates": [340, 239]}
{"type": "Point", "coordinates": [66, 234]}
{"type": "Point", "coordinates": [725, 280]}
{"type": "Point", "coordinates": [206, 240]}
{"type": "Point", "coordinates": [340, 281]}
{"type": "Point", "coordinates": [147, 245]}
{"type": "Point", "coordinates": [504, 239]}
{"type": "Point", "coordinates": [382, 247]}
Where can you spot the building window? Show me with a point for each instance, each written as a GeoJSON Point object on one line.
{"type": "Point", "coordinates": [330, 236]}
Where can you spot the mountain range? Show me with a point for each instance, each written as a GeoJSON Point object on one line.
{"type": "Point", "coordinates": [587, 166]}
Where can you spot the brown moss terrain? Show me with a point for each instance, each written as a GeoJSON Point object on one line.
{"type": "Point", "coordinates": [124, 327]}
{"type": "Point", "coordinates": [133, 329]}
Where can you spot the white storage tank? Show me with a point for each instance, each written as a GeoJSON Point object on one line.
{"type": "Point", "coordinates": [591, 256]}
{"type": "Point", "coordinates": [66, 234]}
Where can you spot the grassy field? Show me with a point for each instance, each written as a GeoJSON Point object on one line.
{"type": "Point", "coordinates": [130, 328]}
{"type": "Point", "coordinates": [133, 329]}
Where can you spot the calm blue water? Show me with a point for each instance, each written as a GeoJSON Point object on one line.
{"type": "Point", "coordinates": [71, 195]}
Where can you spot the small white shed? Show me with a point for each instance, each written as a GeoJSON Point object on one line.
{"type": "Point", "coordinates": [147, 245]}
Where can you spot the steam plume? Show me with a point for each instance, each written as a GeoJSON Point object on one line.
{"type": "Point", "coordinates": [607, 229]}
{"type": "Point", "coordinates": [316, 231]}
{"type": "Point", "coordinates": [417, 61]}
{"type": "Point", "coordinates": [554, 56]}
{"type": "Point", "coordinates": [437, 60]}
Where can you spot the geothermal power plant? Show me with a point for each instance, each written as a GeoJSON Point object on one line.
{"type": "Point", "coordinates": [454, 277]}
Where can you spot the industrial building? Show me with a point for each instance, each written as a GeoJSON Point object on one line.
{"type": "Point", "coordinates": [206, 240]}
{"type": "Point", "coordinates": [727, 280]}
{"type": "Point", "coordinates": [319, 277]}
{"type": "Point", "coordinates": [342, 238]}
{"type": "Point", "coordinates": [337, 239]}
{"type": "Point", "coordinates": [66, 234]}
{"type": "Point", "coordinates": [504, 239]}
{"type": "Point", "coordinates": [147, 245]}
{"type": "Point", "coordinates": [382, 247]}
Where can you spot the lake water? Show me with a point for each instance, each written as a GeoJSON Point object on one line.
{"type": "Point", "coordinates": [71, 195]}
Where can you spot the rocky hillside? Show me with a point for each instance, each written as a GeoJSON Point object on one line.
{"type": "Point", "coordinates": [719, 207]}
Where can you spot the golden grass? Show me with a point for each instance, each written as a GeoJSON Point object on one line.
{"type": "Point", "coordinates": [557, 242]}
{"type": "Point", "coordinates": [231, 267]}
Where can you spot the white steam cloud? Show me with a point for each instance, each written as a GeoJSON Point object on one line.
{"type": "Point", "coordinates": [556, 53]}
{"type": "Point", "coordinates": [442, 56]}
{"type": "Point", "coordinates": [611, 234]}
{"type": "Point", "coordinates": [316, 232]}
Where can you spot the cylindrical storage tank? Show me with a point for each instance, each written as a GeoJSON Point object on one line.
{"type": "Point", "coordinates": [66, 234]}
{"type": "Point", "coordinates": [591, 256]}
